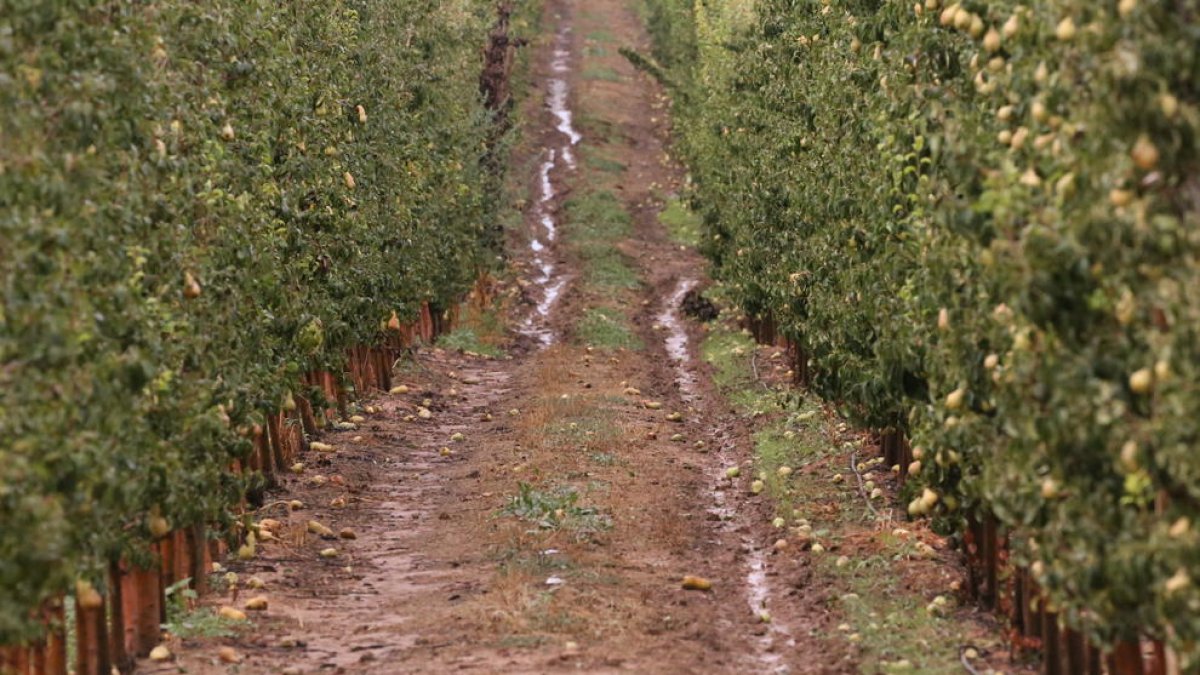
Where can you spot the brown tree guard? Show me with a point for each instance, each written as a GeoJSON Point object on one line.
{"type": "Point", "coordinates": [990, 553]}
{"type": "Point", "coordinates": [1126, 659]}
{"type": "Point", "coordinates": [360, 373]}
{"type": "Point", "coordinates": [56, 640]}
{"type": "Point", "coordinates": [343, 403]}
{"type": "Point", "coordinates": [307, 419]}
{"type": "Point", "coordinates": [262, 461]}
{"type": "Point", "coordinates": [383, 363]}
{"type": "Point", "coordinates": [20, 660]}
{"type": "Point", "coordinates": [350, 372]}
{"type": "Point", "coordinates": [289, 432]}
{"type": "Point", "coordinates": [971, 551]}
{"type": "Point", "coordinates": [91, 655]}
{"type": "Point", "coordinates": [426, 323]}
{"type": "Point", "coordinates": [148, 619]}
{"type": "Point", "coordinates": [198, 545]}
{"type": "Point", "coordinates": [275, 449]}
{"type": "Point", "coordinates": [906, 456]}
{"type": "Point", "coordinates": [798, 360]}
{"type": "Point", "coordinates": [1052, 657]}
{"type": "Point", "coordinates": [331, 388]}
{"type": "Point", "coordinates": [182, 567]}
{"type": "Point", "coordinates": [1162, 663]}
{"type": "Point", "coordinates": [130, 608]}
{"type": "Point", "coordinates": [364, 377]}
{"type": "Point", "coordinates": [371, 355]}
{"type": "Point", "coordinates": [1026, 619]}
{"type": "Point", "coordinates": [122, 659]}
{"type": "Point", "coordinates": [1077, 655]}
{"type": "Point", "coordinates": [37, 658]}
{"type": "Point", "coordinates": [166, 567]}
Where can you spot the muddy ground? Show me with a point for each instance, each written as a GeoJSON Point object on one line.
{"type": "Point", "coordinates": [541, 515]}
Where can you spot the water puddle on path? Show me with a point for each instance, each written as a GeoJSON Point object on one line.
{"type": "Point", "coordinates": [677, 341]}
{"type": "Point", "coordinates": [550, 280]}
{"type": "Point", "coordinates": [758, 589]}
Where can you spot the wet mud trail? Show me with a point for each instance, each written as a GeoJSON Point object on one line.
{"type": "Point", "coordinates": [559, 159]}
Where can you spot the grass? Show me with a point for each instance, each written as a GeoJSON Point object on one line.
{"type": "Point", "coordinates": [884, 584]}
{"type": "Point", "coordinates": [187, 620]}
{"type": "Point", "coordinates": [468, 340]}
{"type": "Point", "coordinates": [597, 129]}
{"type": "Point", "coordinates": [555, 509]}
{"type": "Point", "coordinates": [898, 633]}
{"type": "Point", "coordinates": [604, 458]}
{"type": "Point", "coordinates": [534, 563]}
{"type": "Point", "coordinates": [606, 328]}
{"type": "Point", "coordinates": [601, 36]}
{"type": "Point", "coordinates": [600, 213]}
{"type": "Point", "coordinates": [730, 353]}
{"type": "Point", "coordinates": [597, 220]}
{"type": "Point", "coordinates": [602, 73]}
{"type": "Point", "coordinates": [681, 222]}
{"type": "Point", "coordinates": [601, 164]}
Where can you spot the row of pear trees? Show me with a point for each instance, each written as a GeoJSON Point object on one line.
{"type": "Point", "coordinates": [980, 222]}
{"type": "Point", "coordinates": [200, 202]}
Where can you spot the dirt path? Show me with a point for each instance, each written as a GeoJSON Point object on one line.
{"type": "Point", "coordinates": [536, 512]}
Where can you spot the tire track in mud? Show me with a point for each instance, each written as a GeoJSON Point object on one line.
{"type": "Point", "coordinates": [758, 588]}
{"type": "Point", "coordinates": [560, 157]}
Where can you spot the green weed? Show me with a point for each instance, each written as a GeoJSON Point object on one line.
{"type": "Point", "coordinates": [599, 214]}
{"type": "Point", "coordinates": [606, 328]}
{"type": "Point", "coordinates": [186, 620]}
{"type": "Point", "coordinates": [604, 458]}
{"type": "Point", "coordinates": [602, 73]}
{"type": "Point", "coordinates": [730, 354]}
{"type": "Point", "coordinates": [597, 221]}
{"type": "Point", "coordinates": [468, 340]}
{"type": "Point", "coordinates": [603, 164]}
{"type": "Point", "coordinates": [890, 623]}
{"type": "Point", "coordinates": [896, 629]}
{"type": "Point", "coordinates": [554, 510]}
{"type": "Point", "coordinates": [682, 223]}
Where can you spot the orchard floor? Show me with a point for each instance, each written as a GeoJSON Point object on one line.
{"type": "Point", "coordinates": [590, 474]}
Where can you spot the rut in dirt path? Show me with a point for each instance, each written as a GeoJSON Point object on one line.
{"type": "Point", "coordinates": [559, 157]}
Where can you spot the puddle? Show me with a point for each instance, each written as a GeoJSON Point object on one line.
{"type": "Point", "coordinates": [677, 341]}
{"type": "Point", "coordinates": [758, 589]}
{"type": "Point", "coordinates": [551, 281]}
